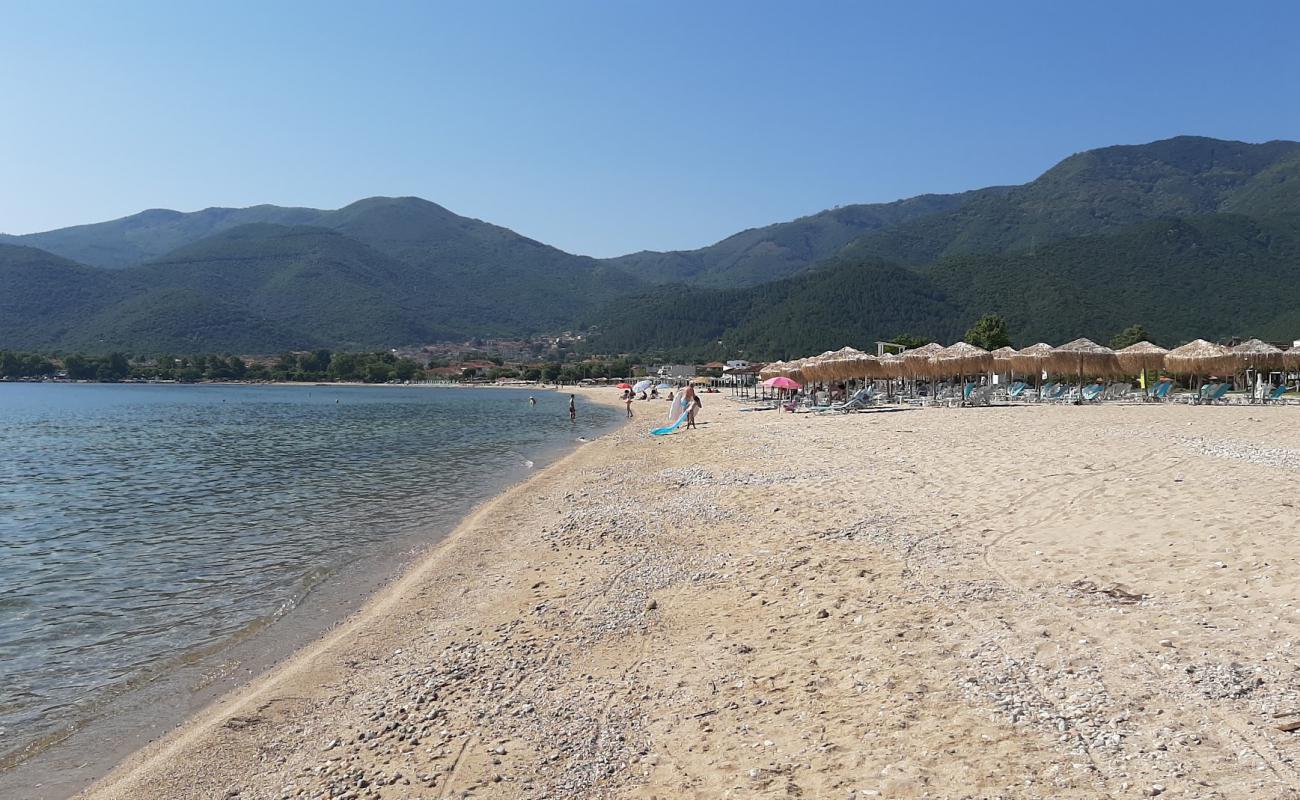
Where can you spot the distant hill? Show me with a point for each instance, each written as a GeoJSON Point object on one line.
{"type": "Point", "coordinates": [152, 234]}
{"type": "Point", "coordinates": [1215, 276]}
{"type": "Point", "coordinates": [1189, 236]}
{"type": "Point", "coordinates": [393, 272]}
{"type": "Point", "coordinates": [1097, 191]}
{"type": "Point", "coordinates": [777, 251]}
{"type": "Point", "coordinates": [1101, 191]}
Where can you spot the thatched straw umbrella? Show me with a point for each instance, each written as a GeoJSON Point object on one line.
{"type": "Point", "coordinates": [1083, 355]}
{"type": "Point", "coordinates": [1256, 354]}
{"type": "Point", "coordinates": [1031, 360]}
{"type": "Point", "coordinates": [892, 365]}
{"type": "Point", "coordinates": [771, 370]}
{"type": "Point", "coordinates": [1002, 357]}
{"type": "Point", "coordinates": [817, 368]}
{"type": "Point", "coordinates": [1140, 357]}
{"type": "Point", "coordinates": [1002, 360]}
{"type": "Point", "coordinates": [848, 363]}
{"type": "Point", "coordinates": [1200, 358]}
{"type": "Point", "coordinates": [1291, 358]}
{"type": "Point", "coordinates": [960, 359]}
{"type": "Point", "coordinates": [916, 362]}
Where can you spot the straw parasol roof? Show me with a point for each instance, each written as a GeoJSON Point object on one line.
{"type": "Point", "coordinates": [1031, 358]}
{"type": "Point", "coordinates": [1257, 354]}
{"type": "Point", "coordinates": [849, 362]}
{"type": "Point", "coordinates": [916, 362]}
{"type": "Point", "coordinates": [891, 365]}
{"type": "Point", "coordinates": [1141, 357]}
{"type": "Point", "coordinates": [1083, 356]}
{"type": "Point", "coordinates": [1291, 358]}
{"type": "Point", "coordinates": [1002, 357]}
{"type": "Point", "coordinates": [816, 368]}
{"type": "Point", "coordinates": [1199, 357]}
{"type": "Point", "coordinates": [961, 358]}
{"type": "Point", "coordinates": [771, 370]}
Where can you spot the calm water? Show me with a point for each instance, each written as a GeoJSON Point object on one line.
{"type": "Point", "coordinates": [141, 526]}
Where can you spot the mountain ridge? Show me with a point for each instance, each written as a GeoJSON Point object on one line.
{"type": "Point", "coordinates": [384, 272]}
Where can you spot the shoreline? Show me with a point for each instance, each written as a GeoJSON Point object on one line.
{"type": "Point", "coordinates": [839, 605]}
{"type": "Point", "coordinates": [133, 716]}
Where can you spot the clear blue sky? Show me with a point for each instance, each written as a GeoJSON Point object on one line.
{"type": "Point", "coordinates": [606, 127]}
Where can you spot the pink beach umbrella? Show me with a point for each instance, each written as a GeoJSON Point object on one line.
{"type": "Point", "coordinates": [780, 382]}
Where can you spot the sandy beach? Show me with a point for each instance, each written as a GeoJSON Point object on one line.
{"type": "Point", "coordinates": [1019, 602]}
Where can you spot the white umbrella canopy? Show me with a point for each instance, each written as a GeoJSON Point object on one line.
{"type": "Point", "coordinates": [1199, 357]}
{"type": "Point", "coordinates": [961, 358]}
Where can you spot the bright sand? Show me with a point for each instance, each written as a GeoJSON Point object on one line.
{"type": "Point", "coordinates": [1000, 602]}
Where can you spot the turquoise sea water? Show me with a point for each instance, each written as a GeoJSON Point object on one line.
{"type": "Point", "coordinates": [141, 526]}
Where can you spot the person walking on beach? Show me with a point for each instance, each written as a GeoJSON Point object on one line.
{"type": "Point", "coordinates": [691, 400]}
{"type": "Point", "coordinates": [627, 399]}
{"type": "Point", "coordinates": [573, 408]}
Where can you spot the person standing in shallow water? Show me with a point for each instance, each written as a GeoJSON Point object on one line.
{"type": "Point", "coordinates": [573, 408]}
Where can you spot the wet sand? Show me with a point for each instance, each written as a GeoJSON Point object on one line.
{"type": "Point", "coordinates": [1001, 602]}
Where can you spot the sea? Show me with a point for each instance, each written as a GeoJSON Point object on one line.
{"type": "Point", "coordinates": [160, 543]}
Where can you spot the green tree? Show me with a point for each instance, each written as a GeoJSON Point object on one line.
{"type": "Point", "coordinates": [405, 369]}
{"type": "Point", "coordinates": [80, 368]}
{"type": "Point", "coordinates": [378, 372]}
{"type": "Point", "coordinates": [989, 332]}
{"type": "Point", "coordinates": [909, 341]}
{"type": "Point", "coordinates": [345, 367]}
{"type": "Point", "coordinates": [1129, 336]}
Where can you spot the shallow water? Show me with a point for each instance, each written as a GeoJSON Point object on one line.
{"type": "Point", "coordinates": [145, 526]}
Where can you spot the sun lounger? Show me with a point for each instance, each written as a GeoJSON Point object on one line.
{"type": "Point", "coordinates": [1160, 391]}
{"type": "Point", "coordinates": [1219, 394]}
{"type": "Point", "coordinates": [861, 399]}
{"type": "Point", "coordinates": [1200, 396]}
{"type": "Point", "coordinates": [1057, 393]}
{"type": "Point", "coordinates": [1092, 392]}
{"type": "Point", "coordinates": [1118, 391]}
{"type": "Point", "coordinates": [1016, 389]}
{"type": "Point", "coordinates": [1276, 395]}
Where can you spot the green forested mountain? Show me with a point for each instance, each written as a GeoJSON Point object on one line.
{"type": "Point", "coordinates": [1189, 236]}
{"type": "Point", "coordinates": [777, 251]}
{"type": "Point", "coordinates": [264, 287]}
{"type": "Point", "coordinates": [1098, 191]}
{"type": "Point", "coordinates": [1210, 276]}
{"type": "Point", "coordinates": [152, 234]}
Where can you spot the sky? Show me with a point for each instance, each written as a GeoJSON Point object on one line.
{"type": "Point", "coordinates": [606, 127]}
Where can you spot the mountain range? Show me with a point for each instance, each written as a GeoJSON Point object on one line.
{"type": "Point", "coordinates": [1188, 236]}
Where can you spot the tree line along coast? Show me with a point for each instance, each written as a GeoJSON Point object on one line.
{"type": "Point", "coordinates": [991, 331]}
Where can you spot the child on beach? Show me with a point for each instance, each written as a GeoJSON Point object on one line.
{"type": "Point", "coordinates": [627, 399]}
